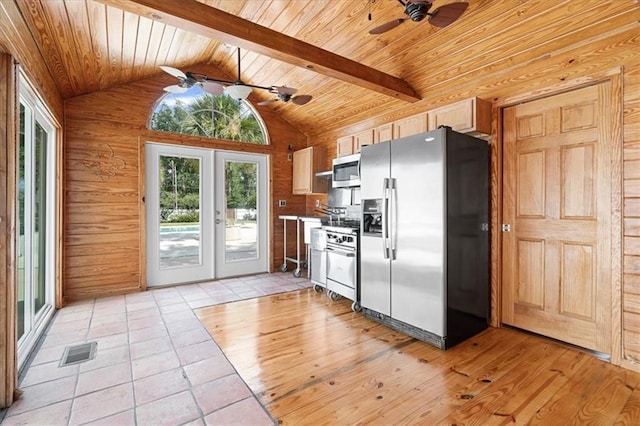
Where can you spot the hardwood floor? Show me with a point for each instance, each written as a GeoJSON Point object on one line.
{"type": "Point", "coordinates": [313, 361]}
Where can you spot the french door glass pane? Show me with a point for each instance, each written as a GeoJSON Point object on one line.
{"type": "Point", "coordinates": [38, 217]}
{"type": "Point", "coordinates": [21, 222]}
{"type": "Point", "coordinates": [241, 189]}
{"type": "Point", "coordinates": [180, 231]}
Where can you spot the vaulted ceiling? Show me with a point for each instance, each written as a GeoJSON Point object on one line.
{"type": "Point", "coordinates": [94, 45]}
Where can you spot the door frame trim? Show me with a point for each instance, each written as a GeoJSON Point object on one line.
{"type": "Point", "coordinates": [615, 78]}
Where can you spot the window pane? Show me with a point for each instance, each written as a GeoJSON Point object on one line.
{"type": "Point", "coordinates": [39, 218]}
{"type": "Point", "coordinates": [180, 232]}
{"type": "Point", "coordinates": [241, 188]}
{"type": "Point", "coordinates": [199, 113]}
{"type": "Point", "coordinates": [20, 223]}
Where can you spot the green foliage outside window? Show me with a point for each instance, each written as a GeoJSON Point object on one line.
{"type": "Point", "coordinates": [198, 113]}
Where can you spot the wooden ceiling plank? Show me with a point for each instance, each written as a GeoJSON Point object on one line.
{"type": "Point", "coordinates": [88, 57]}
{"type": "Point", "coordinates": [25, 51]}
{"type": "Point", "coordinates": [266, 17]}
{"type": "Point", "coordinates": [552, 36]}
{"type": "Point", "coordinates": [129, 40]}
{"type": "Point", "coordinates": [97, 14]}
{"type": "Point", "coordinates": [35, 16]}
{"type": "Point", "coordinates": [281, 73]}
{"type": "Point", "coordinates": [155, 41]}
{"type": "Point", "coordinates": [469, 43]}
{"type": "Point", "coordinates": [502, 78]}
{"type": "Point", "coordinates": [350, 24]}
{"type": "Point", "coordinates": [166, 43]}
{"type": "Point", "coordinates": [62, 33]}
{"type": "Point", "coordinates": [143, 39]}
{"type": "Point", "coordinates": [115, 21]}
{"type": "Point", "coordinates": [216, 24]}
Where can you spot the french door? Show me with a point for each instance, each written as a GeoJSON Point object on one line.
{"type": "Point", "coordinates": [206, 214]}
{"type": "Point", "coordinates": [35, 220]}
{"type": "Point", "coordinates": [241, 213]}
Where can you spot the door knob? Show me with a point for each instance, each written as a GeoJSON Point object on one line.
{"type": "Point", "coordinates": [218, 221]}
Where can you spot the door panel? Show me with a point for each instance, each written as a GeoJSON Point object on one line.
{"type": "Point", "coordinates": [556, 258]}
{"type": "Point", "coordinates": [241, 188]}
{"type": "Point", "coordinates": [179, 231]}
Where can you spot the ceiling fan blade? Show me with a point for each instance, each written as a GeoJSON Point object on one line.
{"type": "Point", "coordinates": [386, 27]}
{"type": "Point", "coordinates": [213, 88]}
{"type": "Point", "coordinates": [175, 89]}
{"type": "Point", "coordinates": [301, 100]}
{"type": "Point", "coordinates": [285, 90]}
{"type": "Point", "coordinates": [268, 102]}
{"type": "Point", "coordinates": [447, 14]}
{"type": "Point", "coordinates": [174, 72]}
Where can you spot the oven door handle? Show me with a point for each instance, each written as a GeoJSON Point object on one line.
{"type": "Point", "coordinates": [341, 252]}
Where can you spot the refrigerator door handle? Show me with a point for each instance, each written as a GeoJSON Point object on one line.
{"type": "Point", "coordinates": [393, 223]}
{"type": "Point", "coordinates": [385, 218]}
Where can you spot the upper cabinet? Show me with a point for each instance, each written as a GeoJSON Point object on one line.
{"type": "Point", "coordinates": [344, 146]}
{"type": "Point", "coordinates": [352, 144]}
{"type": "Point", "coordinates": [383, 133]}
{"type": "Point", "coordinates": [411, 125]}
{"type": "Point", "coordinates": [361, 139]}
{"type": "Point", "coordinates": [471, 116]}
{"type": "Point", "coordinates": [306, 163]}
{"type": "Point", "coordinates": [468, 116]}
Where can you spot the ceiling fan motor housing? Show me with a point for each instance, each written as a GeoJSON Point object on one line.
{"type": "Point", "coordinates": [417, 11]}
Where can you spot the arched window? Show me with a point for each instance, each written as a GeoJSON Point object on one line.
{"type": "Point", "coordinates": [198, 113]}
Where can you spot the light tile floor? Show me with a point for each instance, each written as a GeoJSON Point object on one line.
{"type": "Point", "coordinates": [155, 363]}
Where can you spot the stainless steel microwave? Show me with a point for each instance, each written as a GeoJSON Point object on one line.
{"type": "Point", "coordinates": [346, 171]}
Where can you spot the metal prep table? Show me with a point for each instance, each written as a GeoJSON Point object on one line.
{"type": "Point", "coordinates": [309, 222]}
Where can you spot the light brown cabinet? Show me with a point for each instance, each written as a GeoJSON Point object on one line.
{"type": "Point", "coordinates": [413, 125]}
{"type": "Point", "coordinates": [471, 116]}
{"type": "Point", "coordinates": [306, 163]}
{"type": "Point", "coordinates": [361, 139]}
{"type": "Point", "coordinates": [351, 144]}
{"type": "Point", "coordinates": [344, 146]}
{"type": "Point", "coordinates": [383, 133]}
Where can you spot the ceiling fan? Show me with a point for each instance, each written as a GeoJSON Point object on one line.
{"type": "Point", "coordinates": [236, 89]}
{"type": "Point", "coordinates": [417, 10]}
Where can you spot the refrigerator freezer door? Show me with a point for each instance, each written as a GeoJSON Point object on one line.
{"type": "Point", "coordinates": [375, 279]}
{"type": "Point", "coordinates": [418, 295]}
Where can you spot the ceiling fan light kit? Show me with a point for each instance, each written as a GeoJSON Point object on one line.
{"type": "Point", "coordinates": [236, 89]}
{"type": "Point", "coordinates": [417, 10]}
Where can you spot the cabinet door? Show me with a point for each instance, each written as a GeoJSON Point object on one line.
{"type": "Point", "coordinates": [361, 139]}
{"type": "Point", "coordinates": [383, 133]}
{"type": "Point", "coordinates": [344, 146]}
{"type": "Point", "coordinates": [410, 126]}
{"type": "Point", "coordinates": [468, 116]}
{"type": "Point", "coordinates": [302, 171]}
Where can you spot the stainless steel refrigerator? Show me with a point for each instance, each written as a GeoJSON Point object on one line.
{"type": "Point", "coordinates": [425, 235]}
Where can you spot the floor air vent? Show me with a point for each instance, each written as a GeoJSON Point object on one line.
{"type": "Point", "coordinates": [78, 353]}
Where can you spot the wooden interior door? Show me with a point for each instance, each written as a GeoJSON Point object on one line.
{"type": "Point", "coordinates": [557, 202]}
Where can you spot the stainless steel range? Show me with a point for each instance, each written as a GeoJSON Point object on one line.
{"type": "Point", "coordinates": [342, 263]}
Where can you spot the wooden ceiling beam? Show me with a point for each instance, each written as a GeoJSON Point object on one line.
{"type": "Point", "coordinates": [199, 18]}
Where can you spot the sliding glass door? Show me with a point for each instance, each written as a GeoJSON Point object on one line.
{"type": "Point", "coordinates": [35, 220]}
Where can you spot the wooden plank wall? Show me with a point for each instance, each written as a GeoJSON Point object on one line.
{"type": "Point", "coordinates": [16, 47]}
{"type": "Point", "coordinates": [102, 221]}
{"type": "Point", "coordinates": [617, 50]}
